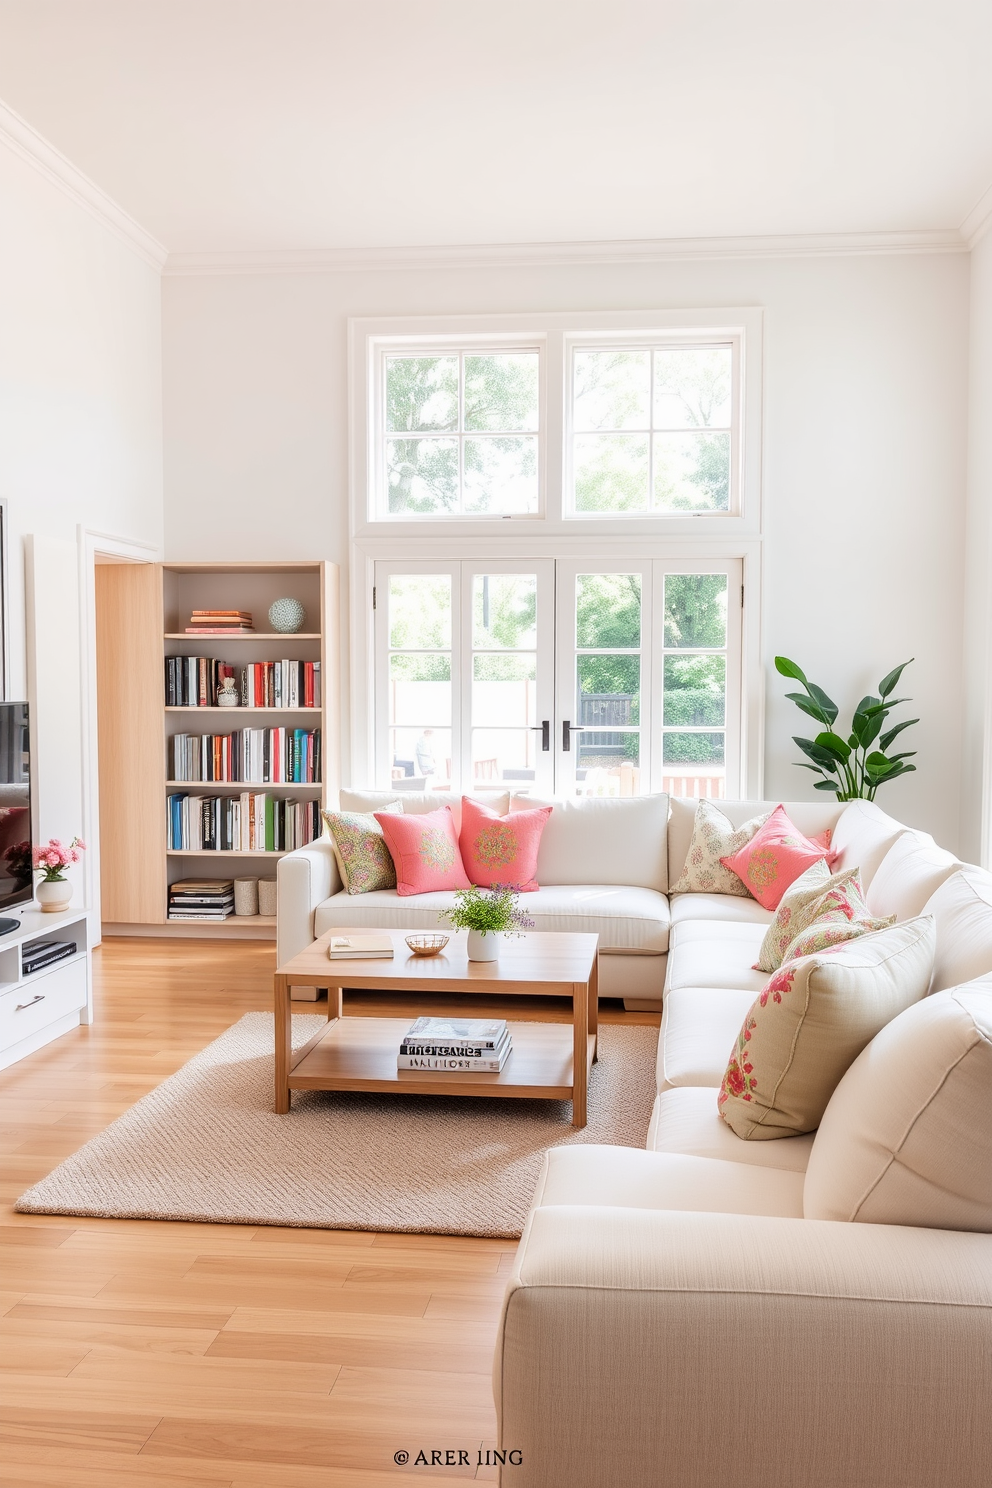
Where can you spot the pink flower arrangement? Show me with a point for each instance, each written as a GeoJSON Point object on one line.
{"type": "Point", "coordinates": [53, 859]}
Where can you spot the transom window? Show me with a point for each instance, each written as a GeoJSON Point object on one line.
{"type": "Point", "coordinates": [461, 433]}
{"type": "Point", "coordinates": [651, 429]}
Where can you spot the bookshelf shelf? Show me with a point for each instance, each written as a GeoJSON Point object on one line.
{"type": "Point", "coordinates": [143, 610]}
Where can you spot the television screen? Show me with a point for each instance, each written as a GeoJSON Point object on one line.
{"type": "Point", "coordinates": [16, 877]}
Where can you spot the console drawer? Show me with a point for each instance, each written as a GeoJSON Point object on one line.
{"type": "Point", "coordinates": [43, 999]}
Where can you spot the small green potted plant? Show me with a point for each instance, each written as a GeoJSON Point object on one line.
{"type": "Point", "coordinates": [487, 914]}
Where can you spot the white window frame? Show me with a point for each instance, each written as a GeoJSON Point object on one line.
{"type": "Point", "coordinates": [703, 537]}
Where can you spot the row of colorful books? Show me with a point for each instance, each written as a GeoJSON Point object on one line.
{"type": "Point", "coordinates": [199, 682]}
{"type": "Point", "coordinates": [269, 756]}
{"type": "Point", "coordinates": [250, 822]}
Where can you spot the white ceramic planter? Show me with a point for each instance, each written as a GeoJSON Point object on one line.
{"type": "Point", "coordinates": [482, 947]}
{"type": "Point", "coordinates": [54, 896]}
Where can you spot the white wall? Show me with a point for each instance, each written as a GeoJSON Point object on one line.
{"type": "Point", "coordinates": [80, 427]}
{"type": "Point", "coordinates": [976, 796]}
{"type": "Point", "coordinates": [864, 469]}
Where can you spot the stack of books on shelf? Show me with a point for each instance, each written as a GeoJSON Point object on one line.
{"type": "Point", "coordinates": [201, 899]}
{"type": "Point", "coordinates": [261, 756]}
{"type": "Point", "coordinates": [458, 1045]}
{"type": "Point", "coordinates": [219, 622]}
{"type": "Point", "coordinates": [195, 681]}
{"type": "Point", "coordinates": [41, 953]}
{"type": "Point", "coordinates": [250, 822]}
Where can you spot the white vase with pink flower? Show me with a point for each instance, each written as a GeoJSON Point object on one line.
{"type": "Point", "coordinates": [54, 892]}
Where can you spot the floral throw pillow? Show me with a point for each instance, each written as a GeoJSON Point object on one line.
{"type": "Point", "coordinates": [774, 858]}
{"type": "Point", "coordinates": [424, 850]}
{"type": "Point", "coordinates": [810, 1022]}
{"type": "Point", "coordinates": [360, 849]}
{"type": "Point", "coordinates": [501, 849]}
{"type": "Point", "coordinates": [713, 838]}
{"type": "Point", "coordinates": [813, 894]}
{"type": "Point", "coordinates": [833, 929]}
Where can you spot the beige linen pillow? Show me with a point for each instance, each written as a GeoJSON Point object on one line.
{"type": "Point", "coordinates": [713, 838]}
{"type": "Point", "coordinates": [810, 1022]}
{"type": "Point", "coordinates": [360, 850]}
{"type": "Point", "coordinates": [907, 1135]}
{"type": "Point", "coordinates": [962, 913]}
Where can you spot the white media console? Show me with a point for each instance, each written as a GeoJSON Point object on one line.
{"type": "Point", "coordinates": [40, 1006]}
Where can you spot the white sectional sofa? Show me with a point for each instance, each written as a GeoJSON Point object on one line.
{"type": "Point", "coordinates": [674, 1320]}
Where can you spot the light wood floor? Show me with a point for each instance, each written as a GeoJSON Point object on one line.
{"type": "Point", "coordinates": [175, 1355]}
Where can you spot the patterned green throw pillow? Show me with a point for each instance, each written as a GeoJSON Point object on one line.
{"type": "Point", "coordinates": [363, 858]}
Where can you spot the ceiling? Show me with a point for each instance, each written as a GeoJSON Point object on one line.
{"type": "Point", "coordinates": [227, 126]}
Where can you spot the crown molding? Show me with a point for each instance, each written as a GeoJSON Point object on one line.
{"type": "Point", "coordinates": [978, 221]}
{"type": "Point", "coordinates": [517, 255]}
{"type": "Point", "coordinates": [29, 145]}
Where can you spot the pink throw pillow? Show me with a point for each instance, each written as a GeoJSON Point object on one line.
{"type": "Point", "coordinates": [424, 849]}
{"type": "Point", "coordinates": [501, 849]}
{"type": "Point", "coordinates": [824, 839]}
{"type": "Point", "coordinates": [774, 858]}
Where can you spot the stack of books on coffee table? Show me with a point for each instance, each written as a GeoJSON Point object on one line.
{"type": "Point", "coordinates": [461, 1045]}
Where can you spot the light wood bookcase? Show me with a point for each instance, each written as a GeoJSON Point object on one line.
{"type": "Point", "coordinates": [142, 612]}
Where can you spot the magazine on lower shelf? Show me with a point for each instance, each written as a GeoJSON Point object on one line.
{"type": "Point", "coordinates": [456, 1045]}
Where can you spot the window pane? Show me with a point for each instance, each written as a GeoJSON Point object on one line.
{"type": "Point", "coordinates": [504, 691]}
{"type": "Point", "coordinates": [611, 472]}
{"type": "Point", "coordinates": [692, 472]}
{"type": "Point", "coordinates": [695, 610]}
{"type": "Point", "coordinates": [501, 391]}
{"type": "Point", "coordinates": [692, 387]}
{"type": "Point", "coordinates": [608, 690]}
{"type": "Point", "coordinates": [420, 691]}
{"type": "Point", "coordinates": [608, 610]}
{"type": "Point", "coordinates": [422, 475]}
{"type": "Point", "coordinates": [503, 754]}
{"type": "Point", "coordinates": [695, 691]}
{"type": "Point", "coordinates": [419, 612]}
{"type": "Point", "coordinates": [421, 393]}
{"type": "Point", "coordinates": [607, 763]}
{"type": "Point", "coordinates": [611, 390]}
{"type": "Point", "coordinates": [693, 749]}
{"type": "Point", "coordinates": [501, 474]}
{"type": "Point", "coordinates": [420, 754]}
{"type": "Point", "coordinates": [504, 611]}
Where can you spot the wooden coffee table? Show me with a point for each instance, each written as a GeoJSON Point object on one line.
{"type": "Point", "coordinates": [550, 1061]}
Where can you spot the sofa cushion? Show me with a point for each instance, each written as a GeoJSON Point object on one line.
{"type": "Point", "coordinates": [631, 1178]}
{"type": "Point", "coordinates": [913, 868]}
{"type": "Point", "coordinates": [416, 802]}
{"type": "Point", "coordinates": [360, 850]}
{"type": "Point", "coordinates": [713, 837]}
{"type": "Point", "coordinates": [686, 1120]}
{"type": "Point", "coordinates": [501, 849]}
{"type": "Point", "coordinates": [603, 839]}
{"type": "Point", "coordinates": [862, 837]}
{"type": "Point", "coordinates": [907, 1136]}
{"type": "Point", "coordinates": [811, 817]}
{"type": "Point", "coordinates": [797, 909]}
{"type": "Point", "coordinates": [698, 1029]}
{"type": "Point", "coordinates": [715, 953]}
{"type": "Point", "coordinates": [631, 920]}
{"type": "Point", "coordinates": [811, 1021]}
{"type": "Point", "coordinates": [774, 858]}
{"type": "Point", "coordinates": [718, 907]}
{"type": "Point", "coordinates": [424, 847]}
{"type": "Point", "coordinates": [962, 914]}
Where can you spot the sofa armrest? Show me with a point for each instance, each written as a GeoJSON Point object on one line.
{"type": "Point", "coordinates": [305, 878]}
{"type": "Point", "coordinates": [645, 1346]}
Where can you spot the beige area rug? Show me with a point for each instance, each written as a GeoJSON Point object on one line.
{"type": "Point", "coordinates": [205, 1145]}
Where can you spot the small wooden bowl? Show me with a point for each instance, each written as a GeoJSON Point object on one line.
{"type": "Point", "coordinates": [427, 945]}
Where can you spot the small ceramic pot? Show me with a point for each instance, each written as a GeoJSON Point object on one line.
{"type": "Point", "coordinates": [482, 947]}
{"type": "Point", "coordinates": [54, 894]}
{"type": "Point", "coordinates": [246, 896]}
{"type": "Point", "coordinates": [267, 896]}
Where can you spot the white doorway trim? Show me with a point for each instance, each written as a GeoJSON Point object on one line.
{"type": "Point", "coordinates": [95, 547]}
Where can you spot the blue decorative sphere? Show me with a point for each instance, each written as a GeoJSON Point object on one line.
{"type": "Point", "coordinates": [287, 615]}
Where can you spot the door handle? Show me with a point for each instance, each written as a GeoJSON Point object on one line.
{"type": "Point", "coordinates": [567, 730]}
{"type": "Point", "coordinates": [544, 729]}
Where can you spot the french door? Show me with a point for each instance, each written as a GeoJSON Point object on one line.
{"type": "Point", "coordinates": [559, 676]}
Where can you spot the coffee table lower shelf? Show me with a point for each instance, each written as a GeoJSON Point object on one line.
{"type": "Point", "coordinates": [360, 1054]}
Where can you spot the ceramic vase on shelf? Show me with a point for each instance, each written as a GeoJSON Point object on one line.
{"type": "Point", "coordinates": [482, 947]}
{"type": "Point", "coordinates": [54, 894]}
{"type": "Point", "coordinates": [287, 616]}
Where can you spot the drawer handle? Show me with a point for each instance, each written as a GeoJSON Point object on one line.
{"type": "Point", "coordinates": [38, 997]}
